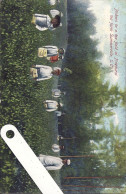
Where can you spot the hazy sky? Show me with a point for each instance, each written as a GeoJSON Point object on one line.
{"type": "Point", "coordinates": [103, 9]}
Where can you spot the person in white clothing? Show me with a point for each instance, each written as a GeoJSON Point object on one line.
{"type": "Point", "coordinates": [51, 105]}
{"type": "Point", "coordinates": [57, 148]}
{"type": "Point", "coordinates": [49, 51]}
{"type": "Point", "coordinates": [53, 2]}
{"type": "Point", "coordinates": [53, 163]}
{"type": "Point", "coordinates": [42, 72]}
{"type": "Point", "coordinates": [44, 22]}
{"type": "Point", "coordinates": [56, 93]}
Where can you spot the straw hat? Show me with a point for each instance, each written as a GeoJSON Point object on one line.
{"type": "Point", "coordinates": [55, 148]}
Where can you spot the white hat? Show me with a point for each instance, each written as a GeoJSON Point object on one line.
{"type": "Point", "coordinates": [55, 148]}
{"type": "Point", "coordinates": [68, 162]}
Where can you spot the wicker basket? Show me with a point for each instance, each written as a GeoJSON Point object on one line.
{"type": "Point", "coordinates": [42, 52]}
{"type": "Point", "coordinates": [33, 72]}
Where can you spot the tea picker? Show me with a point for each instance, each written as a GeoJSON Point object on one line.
{"type": "Point", "coordinates": [44, 22]}
{"type": "Point", "coordinates": [53, 163]}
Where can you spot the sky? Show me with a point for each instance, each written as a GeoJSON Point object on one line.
{"type": "Point", "coordinates": [102, 10]}
{"type": "Point", "coordinates": [111, 20]}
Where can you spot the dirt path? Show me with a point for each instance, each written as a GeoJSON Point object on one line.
{"type": "Point", "coordinates": [59, 40]}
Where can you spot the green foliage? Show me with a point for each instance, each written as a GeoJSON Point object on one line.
{"type": "Point", "coordinates": [88, 100]}
{"type": "Point", "coordinates": [22, 98]}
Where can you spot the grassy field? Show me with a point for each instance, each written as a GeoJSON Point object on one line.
{"type": "Point", "coordinates": [22, 98]}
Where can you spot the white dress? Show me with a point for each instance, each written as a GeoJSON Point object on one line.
{"type": "Point", "coordinates": [56, 93]}
{"type": "Point", "coordinates": [43, 22]}
{"type": "Point", "coordinates": [51, 50]}
{"type": "Point", "coordinates": [51, 162]}
{"type": "Point", "coordinates": [52, 105]}
{"type": "Point", "coordinates": [55, 148]}
{"type": "Point", "coordinates": [44, 72]}
{"type": "Point", "coordinates": [52, 2]}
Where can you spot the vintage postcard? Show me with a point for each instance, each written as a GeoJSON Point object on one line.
{"type": "Point", "coordinates": [63, 86]}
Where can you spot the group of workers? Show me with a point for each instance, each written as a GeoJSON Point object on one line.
{"type": "Point", "coordinates": [51, 162]}
{"type": "Point", "coordinates": [42, 72]}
